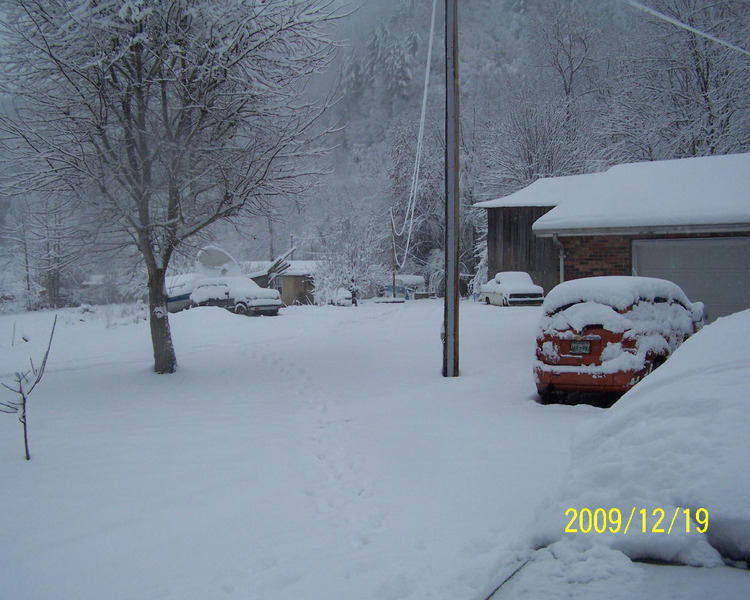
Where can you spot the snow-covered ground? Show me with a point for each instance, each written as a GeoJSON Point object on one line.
{"type": "Point", "coordinates": [320, 455]}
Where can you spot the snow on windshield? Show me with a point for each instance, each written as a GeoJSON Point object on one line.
{"type": "Point", "coordinates": [578, 316]}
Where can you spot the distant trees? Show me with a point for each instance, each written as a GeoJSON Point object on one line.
{"type": "Point", "coordinates": [156, 120]}
{"type": "Point", "coordinates": [351, 231]}
{"type": "Point", "coordinates": [538, 138]}
{"type": "Point", "coordinates": [548, 88]}
{"type": "Point", "coordinates": [565, 38]}
{"type": "Point", "coordinates": [682, 94]}
{"type": "Point", "coordinates": [161, 118]}
{"type": "Point", "coordinates": [353, 253]}
{"type": "Point", "coordinates": [46, 247]}
{"type": "Point", "coordinates": [380, 79]}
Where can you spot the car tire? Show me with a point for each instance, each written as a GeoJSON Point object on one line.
{"type": "Point", "coordinates": [487, 300]}
{"type": "Point", "coordinates": [656, 363]}
{"type": "Point", "coordinates": [549, 396]}
{"type": "Point", "coordinates": [240, 309]}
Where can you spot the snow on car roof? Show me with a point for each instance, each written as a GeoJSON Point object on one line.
{"type": "Point", "coordinates": [410, 279]}
{"type": "Point", "coordinates": [619, 292]}
{"type": "Point", "coordinates": [513, 277]}
{"type": "Point", "coordinates": [234, 281]}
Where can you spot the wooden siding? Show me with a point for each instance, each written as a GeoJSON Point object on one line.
{"type": "Point", "coordinates": [512, 246]}
{"type": "Point", "coordinates": [296, 289]}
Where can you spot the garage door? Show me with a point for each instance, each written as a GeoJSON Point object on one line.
{"type": "Point", "coordinates": [715, 271]}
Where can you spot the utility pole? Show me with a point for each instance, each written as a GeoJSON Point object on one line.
{"type": "Point", "coordinates": [450, 324]}
{"type": "Point", "coordinates": [393, 258]}
{"type": "Point", "coordinates": [270, 239]}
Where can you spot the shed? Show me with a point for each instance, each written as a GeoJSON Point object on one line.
{"type": "Point", "coordinates": [511, 244]}
{"type": "Point", "coordinates": [685, 220]}
{"type": "Point", "coordinates": [295, 284]}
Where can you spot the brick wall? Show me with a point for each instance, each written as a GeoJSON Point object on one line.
{"type": "Point", "coordinates": [590, 256]}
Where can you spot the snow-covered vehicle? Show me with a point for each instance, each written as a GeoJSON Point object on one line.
{"type": "Point", "coordinates": [604, 334]}
{"type": "Point", "coordinates": [238, 294]}
{"type": "Point", "coordinates": [342, 297]}
{"type": "Point", "coordinates": [511, 288]}
{"type": "Point", "coordinates": [210, 262]}
{"type": "Point", "coordinates": [179, 288]}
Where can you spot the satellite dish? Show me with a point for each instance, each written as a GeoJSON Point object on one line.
{"type": "Point", "coordinates": [214, 261]}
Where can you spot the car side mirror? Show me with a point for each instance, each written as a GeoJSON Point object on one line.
{"type": "Point", "coordinates": [698, 313]}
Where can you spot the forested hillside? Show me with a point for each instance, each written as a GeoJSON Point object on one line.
{"type": "Point", "coordinates": [548, 87]}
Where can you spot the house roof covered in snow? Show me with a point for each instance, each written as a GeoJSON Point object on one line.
{"type": "Point", "coordinates": [300, 268]}
{"type": "Point", "coordinates": [692, 195]}
{"type": "Point", "coordinates": [548, 191]}
{"type": "Point", "coordinates": [297, 268]}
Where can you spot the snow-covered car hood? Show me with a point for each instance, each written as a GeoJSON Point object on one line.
{"type": "Point", "coordinates": [512, 282]}
{"type": "Point", "coordinates": [678, 439]}
{"type": "Point", "coordinates": [239, 289]}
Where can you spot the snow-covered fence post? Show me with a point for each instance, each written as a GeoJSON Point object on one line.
{"type": "Point", "coordinates": [25, 382]}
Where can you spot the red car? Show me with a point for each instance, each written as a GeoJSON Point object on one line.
{"type": "Point", "coordinates": [605, 334]}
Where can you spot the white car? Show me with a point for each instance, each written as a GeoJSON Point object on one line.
{"type": "Point", "coordinates": [342, 297]}
{"type": "Point", "coordinates": [511, 288]}
{"type": "Point", "coordinates": [238, 294]}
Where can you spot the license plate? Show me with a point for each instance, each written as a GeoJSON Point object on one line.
{"type": "Point", "coordinates": [580, 347]}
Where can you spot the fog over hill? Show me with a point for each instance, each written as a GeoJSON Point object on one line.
{"type": "Point", "coordinates": [548, 87]}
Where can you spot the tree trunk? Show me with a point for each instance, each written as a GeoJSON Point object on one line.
{"type": "Point", "coordinates": [27, 267]}
{"type": "Point", "coordinates": [25, 429]}
{"type": "Point", "coordinates": [165, 360]}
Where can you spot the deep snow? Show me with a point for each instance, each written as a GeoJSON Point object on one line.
{"type": "Point", "coordinates": [318, 454]}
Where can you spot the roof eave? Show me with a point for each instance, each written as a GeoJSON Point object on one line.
{"type": "Point", "coordinates": [522, 205]}
{"type": "Point", "coordinates": [643, 230]}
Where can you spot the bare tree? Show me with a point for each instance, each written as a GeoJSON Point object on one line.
{"type": "Point", "coordinates": [565, 38]}
{"type": "Point", "coordinates": [354, 245]}
{"type": "Point", "coordinates": [538, 139]}
{"type": "Point", "coordinates": [164, 116]}
{"type": "Point", "coordinates": [47, 245]}
{"type": "Point", "coordinates": [25, 382]}
{"type": "Point", "coordinates": [681, 93]}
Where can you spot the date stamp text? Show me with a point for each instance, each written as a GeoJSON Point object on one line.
{"type": "Point", "coordinates": [600, 520]}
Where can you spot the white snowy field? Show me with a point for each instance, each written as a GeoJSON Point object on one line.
{"type": "Point", "coordinates": [321, 455]}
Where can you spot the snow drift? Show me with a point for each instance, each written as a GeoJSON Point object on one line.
{"type": "Point", "coordinates": [676, 441]}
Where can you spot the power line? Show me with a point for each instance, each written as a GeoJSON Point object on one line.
{"type": "Point", "coordinates": [678, 23]}
{"type": "Point", "coordinates": [412, 203]}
